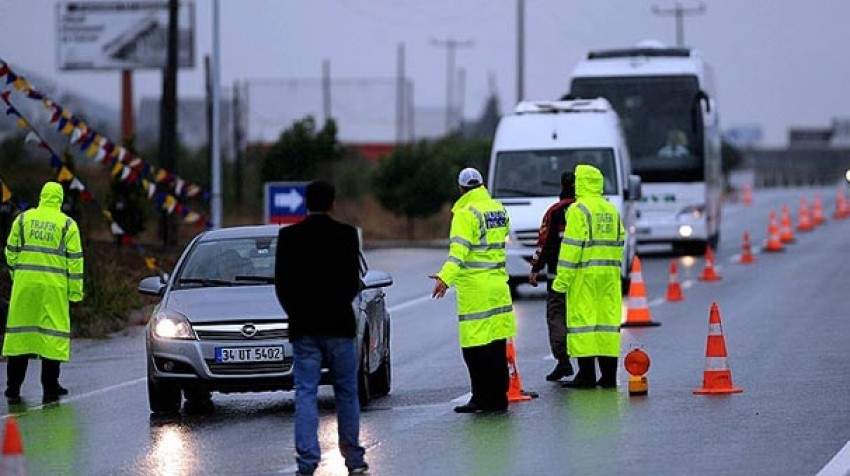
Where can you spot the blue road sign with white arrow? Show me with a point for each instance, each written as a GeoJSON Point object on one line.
{"type": "Point", "coordinates": [284, 202]}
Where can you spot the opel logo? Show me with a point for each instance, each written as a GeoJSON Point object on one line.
{"type": "Point", "coordinates": [249, 330]}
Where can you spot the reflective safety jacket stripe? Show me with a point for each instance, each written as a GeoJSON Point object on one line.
{"type": "Point", "coordinates": [476, 267]}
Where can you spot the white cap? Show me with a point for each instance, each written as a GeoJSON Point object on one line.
{"type": "Point", "coordinates": [469, 177]}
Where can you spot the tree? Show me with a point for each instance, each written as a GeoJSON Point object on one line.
{"type": "Point", "coordinates": [414, 182]}
{"type": "Point", "coordinates": [302, 153]}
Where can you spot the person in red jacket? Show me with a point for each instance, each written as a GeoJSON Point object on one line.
{"type": "Point", "coordinates": [548, 243]}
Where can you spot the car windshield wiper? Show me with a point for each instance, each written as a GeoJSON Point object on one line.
{"type": "Point", "coordinates": [205, 281]}
{"type": "Point", "coordinates": [254, 279]}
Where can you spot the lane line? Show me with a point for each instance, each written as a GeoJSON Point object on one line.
{"type": "Point", "coordinates": [74, 398]}
{"type": "Point", "coordinates": [839, 465]}
{"type": "Point", "coordinates": [414, 302]}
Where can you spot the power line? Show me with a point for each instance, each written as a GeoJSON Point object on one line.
{"type": "Point", "coordinates": [679, 12]}
{"type": "Point", "coordinates": [450, 45]}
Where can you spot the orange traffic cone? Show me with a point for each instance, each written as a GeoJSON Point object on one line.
{"type": "Point", "coordinates": [774, 243]}
{"type": "Point", "coordinates": [817, 211]}
{"type": "Point", "coordinates": [638, 309]}
{"type": "Point", "coordinates": [804, 223]}
{"type": "Point", "coordinates": [717, 377]}
{"type": "Point", "coordinates": [746, 254]}
{"type": "Point", "coordinates": [748, 194]}
{"type": "Point", "coordinates": [13, 450]}
{"type": "Point", "coordinates": [674, 291]}
{"type": "Point", "coordinates": [708, 273]}
{"type": "Point", "coordinates": [515, 391]}
{"type": "Point", "coordinates": [840, 204]}
{"type": "Point", "coordinates": [786, 234]}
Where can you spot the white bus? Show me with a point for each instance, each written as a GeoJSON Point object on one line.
{"type": "Point", "coordinates": [666, 102]}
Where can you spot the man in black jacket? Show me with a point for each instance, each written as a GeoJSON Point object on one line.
{"type": "Point", "coordinates": [322, 254]}
{"type": "Point", "coordinates": [548, 244]}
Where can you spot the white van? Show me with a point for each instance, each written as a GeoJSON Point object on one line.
{"type": "Point", "coordinates": [531, 149]}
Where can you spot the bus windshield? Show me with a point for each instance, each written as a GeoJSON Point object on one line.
{"type": "Point", "coordinates": [537, 173]}
{"type": "Point", "coordinates": [661, 120]}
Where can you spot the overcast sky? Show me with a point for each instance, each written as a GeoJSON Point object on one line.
{"type": "Point", "coordinates": [778, 63]}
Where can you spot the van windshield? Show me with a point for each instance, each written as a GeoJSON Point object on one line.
{"type": "Point", "coordinates": [537, 173]}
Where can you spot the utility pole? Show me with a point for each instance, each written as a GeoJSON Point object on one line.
{"type": "Point", "coordinates": [168, 118]}
{"type": "Point", "coordinates": [679, 12]}
{"type": "Point", "coordinates": [450, 45]}
{"type": "Point", "coordinates": [520, 50]}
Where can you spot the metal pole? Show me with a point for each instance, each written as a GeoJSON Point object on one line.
{"type": "Point", "coordinates": [450, 45]}
{"type": "Point", "coordinates": [215, 202]}
{"type": "Point", "coordinates": [679, 13]}
{"type": "Point", "coordinates": [520, 51]}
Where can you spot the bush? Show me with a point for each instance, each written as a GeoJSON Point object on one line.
{"type": "Point", "coordinates": [111, 277]}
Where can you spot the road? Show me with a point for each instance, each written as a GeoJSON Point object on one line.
{"type": "Point", "coordinates": [784, 322]}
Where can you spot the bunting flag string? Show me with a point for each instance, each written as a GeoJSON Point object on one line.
{"type": "Point", "coordinates": [6, 196]}
{"type": "Point", "coordinates": [64, 175]}
{"type": "Point", "coordinates": [96, 146]}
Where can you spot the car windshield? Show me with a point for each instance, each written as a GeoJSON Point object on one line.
{"type": "Point", "coordinates": [537, 173]}
{"type": "Point", "coordinates": [231, 262]}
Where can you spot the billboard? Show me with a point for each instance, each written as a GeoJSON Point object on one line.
{"type": "Point", "coordinates": [121, 35]}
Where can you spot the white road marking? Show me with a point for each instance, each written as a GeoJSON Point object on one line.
{"type": "Point", "coordinates": [839, 465]}
{"type": "Point", "coordinates": [68, 399]}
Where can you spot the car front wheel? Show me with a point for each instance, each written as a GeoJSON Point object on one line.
{"type": "Point", "coordinates": [164, 398]}
{"type": "Point", "coordinates": [380, 382]}
{"type": "Point", "coordinates": [364, 392]}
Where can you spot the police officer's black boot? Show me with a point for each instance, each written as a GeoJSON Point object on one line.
{"type": "Point", "coordinates": [586, 376]}
{"type": "Point", "coordinates": [608, 372]}
{"type": "Point", "coordinates": [16, 371]}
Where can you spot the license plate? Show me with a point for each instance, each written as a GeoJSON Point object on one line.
{"type": "Point", "coordinates": [234, 355]}
{"type": "Point", "coordinates": [644, 230]}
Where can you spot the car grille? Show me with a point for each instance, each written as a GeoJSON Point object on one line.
{"type": "Point", "coordinates": [250, 367]}
{"type": "Point", "coordinates": [233, 332]}
{"type": "Point", "coordinates": [527, 237]}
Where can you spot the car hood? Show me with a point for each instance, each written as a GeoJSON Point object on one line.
{"type": "Point", "coordinates": [222, 304]}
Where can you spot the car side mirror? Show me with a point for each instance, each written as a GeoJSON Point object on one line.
{"type": "Point", "coordinates": [634, 192]}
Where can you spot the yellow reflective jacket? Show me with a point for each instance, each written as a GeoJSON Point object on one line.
{"type": "Point", "coordinates": [476, 267]}
{"type": "Point", "coordinates": [45, 259]}
{"type": "Point", "coordinates": [589, 269]}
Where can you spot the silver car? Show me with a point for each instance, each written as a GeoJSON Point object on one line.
{"type": "Point", "coordinates": [220, 328]}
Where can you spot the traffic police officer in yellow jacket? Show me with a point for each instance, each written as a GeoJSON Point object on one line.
{"type": "Point", "coordinates": [45, 259]}
{"type": "Point", "coordinates": [589, 273]}
{"type": "Point", "coordinates": [476, 267]}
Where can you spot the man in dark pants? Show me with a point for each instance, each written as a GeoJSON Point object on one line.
{"type": "Point", "coordinates": [321, 251]}
{"type": "Point", "coordinates": [548, 245]}
{"type": "Point", "coordinates": [476, 267]}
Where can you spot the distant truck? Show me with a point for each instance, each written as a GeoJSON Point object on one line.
{"type": "Point", "coordinates": [533, 146]}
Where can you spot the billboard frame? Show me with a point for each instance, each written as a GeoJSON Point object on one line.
{"type": "Point", "coordinates": [121, 35]}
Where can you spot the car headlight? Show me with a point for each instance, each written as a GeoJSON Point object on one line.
{"type": "Point", "coordinates": [847, 175]}
{"type": "Point", "coordinates": [691, 212]}
{"type": "Point", "coordinates": [172, 326]}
